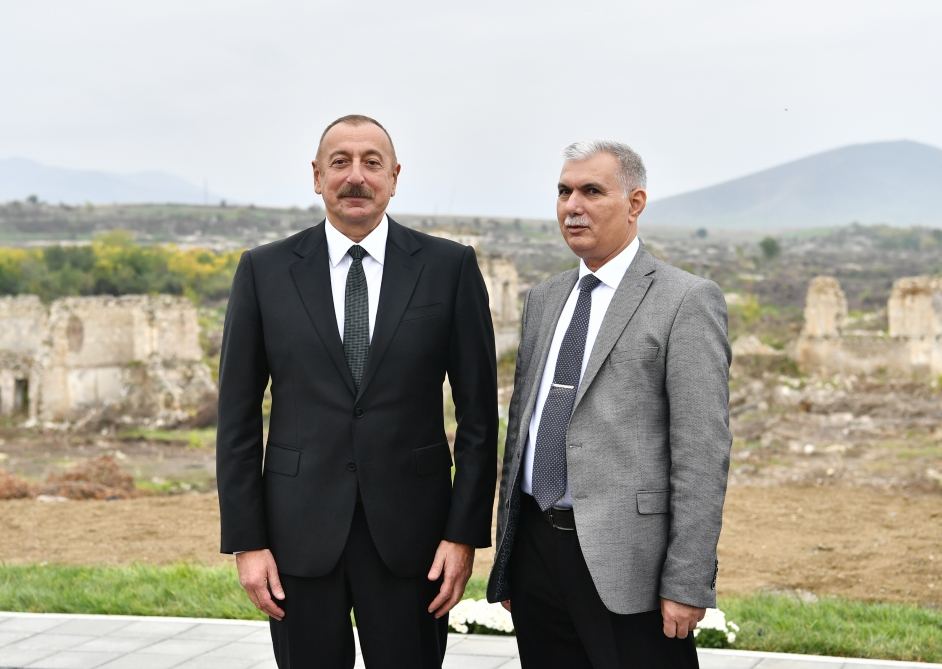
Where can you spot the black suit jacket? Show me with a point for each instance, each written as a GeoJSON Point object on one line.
{"type": "Point", "coordinates": [326, 442]}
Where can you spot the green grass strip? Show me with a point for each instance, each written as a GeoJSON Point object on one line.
{"type": "Point", "coordinates": [831, 626]}
{"type": "Point", "coordinates": [768, 622]}
{"type": "Point", "coordinates": [141, 590]}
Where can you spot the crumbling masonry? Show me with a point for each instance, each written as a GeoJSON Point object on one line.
{"type": "Point", "coordinates": [134, 356]}
{"type": "Point", "coordinates": [912, 345]}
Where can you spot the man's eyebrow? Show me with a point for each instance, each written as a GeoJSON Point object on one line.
{"type": "Point", "coordinates": [347, 153]}
{"type": "Point", "coordinates": [582, 186]}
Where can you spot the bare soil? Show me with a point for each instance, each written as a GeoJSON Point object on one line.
{"type": "Point", "coordinates": [866, 544]}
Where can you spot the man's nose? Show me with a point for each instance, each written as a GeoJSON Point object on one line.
{"type": "Point", "coordinates": [355, 175]}
{"type": "Point", "coordinates": [574, 205]}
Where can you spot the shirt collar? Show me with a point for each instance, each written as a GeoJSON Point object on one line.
{"type": "Point", "coordinates": [374, 243]}
{"type": "Point", "coordinates": [611, 273]}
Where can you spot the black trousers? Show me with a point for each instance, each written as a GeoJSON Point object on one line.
{"type": "Point", "coordinates": [559, 618]}
{"type": "Point", "coordinates": [393, 622]}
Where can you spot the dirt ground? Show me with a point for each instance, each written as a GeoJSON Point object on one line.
{"type": "Point", "coordinates": [866, 544]}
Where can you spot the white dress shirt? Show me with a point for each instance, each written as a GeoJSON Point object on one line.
{"type": "Point", "coordinates": [610, 274]}
{"type": "Point", "coordinates": [375, 246]}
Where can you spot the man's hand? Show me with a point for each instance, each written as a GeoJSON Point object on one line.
{"type": "Point", "coordinates": [455, 561]}
{"type": "Point", "coordinates": [679, 619]}
{"type": "Point", "coordinates": [258, 575]}
{"type": "Point", "coordinates": [506, 604]}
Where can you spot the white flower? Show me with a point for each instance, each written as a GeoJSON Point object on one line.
{"type": "Point", "coordinates": [479, 612]}
{"type": "Point", "coordinates": [714, 619]}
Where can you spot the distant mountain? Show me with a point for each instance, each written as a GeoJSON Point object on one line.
{"type": "Point", "coordinates": [20, 178]}
{"type": "Point", "coordinates": [897, 183]}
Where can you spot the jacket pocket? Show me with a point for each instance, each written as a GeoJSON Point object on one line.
{"type": "Point", "coordinates": [654, 501]}
{"type": "Point", "coordinates": [635, 353]}
{"type": "Point", "coordinates": [431, 459]}
{"type": "Point", "coordinates": [282, 460]}
{"type": "Point", "coordinates": [425, 311]}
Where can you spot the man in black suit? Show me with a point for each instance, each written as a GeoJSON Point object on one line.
{"type": "Point", "coordinates": [356, 321]}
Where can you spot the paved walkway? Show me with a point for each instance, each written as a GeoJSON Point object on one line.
{"type": "Point", "coordinates": [56, 641]}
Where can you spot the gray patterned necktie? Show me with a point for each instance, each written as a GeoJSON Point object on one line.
{"type": "Point", "coordinates": [549, 461]}
{"type": "Point", "coordinates": [356, 316]}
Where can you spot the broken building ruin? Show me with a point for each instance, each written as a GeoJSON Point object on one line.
{"type": "Point", "coordinates": [136, 355]}
{"type": "Point", "coordinates": [503, 290]}
{"type": "Point", "coordinates": [912, 343]}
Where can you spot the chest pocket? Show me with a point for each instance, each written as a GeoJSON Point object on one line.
{"type": "Point", "coordinates": [634, 353]}
{"type": "Point", "coordinates": [424, 311]}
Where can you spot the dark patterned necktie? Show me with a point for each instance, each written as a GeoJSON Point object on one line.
{"type": "Point", "coordinates": [549, 461]}
{"type": "Point", "coordinates": [356, 316]}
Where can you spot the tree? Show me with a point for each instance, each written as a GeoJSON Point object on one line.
{"type": "Point", "coordinates": [770, 248]}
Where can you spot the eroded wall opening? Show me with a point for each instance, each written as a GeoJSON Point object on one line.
{"type": "Point", "coordinates": [21, 396]}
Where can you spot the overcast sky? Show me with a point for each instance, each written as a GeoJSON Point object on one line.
{"type": "Point", "coordinates": [480, 98]}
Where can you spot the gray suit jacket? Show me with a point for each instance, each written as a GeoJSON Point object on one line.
{"type": "Point", "coordinates": [648, 443]}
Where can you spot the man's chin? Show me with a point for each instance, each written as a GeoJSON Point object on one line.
{"type": "Point", "coordinates": [356, 218]}
{"type": "Point", "coordinates": [579, 242]}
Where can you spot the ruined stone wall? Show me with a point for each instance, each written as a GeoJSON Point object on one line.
{"type": "Point", "coordinates": [863, 354]}
{"type": "Point", "coordinates": [825, 308]}
{"type": "Point", "coordinates": [914, 312]}
{"type": "Point", "coordinates": [503, 289]}
{"type": "Point", "coordinates": [913, 344]}
{"type": "Point", "coordinates": [17, 376]}
{"type": "Point", "coordinates": [915, 307]}
{"type": "Point", "coordinates": [22, 322]}
{"type": "Point", "coordinates": [135, 355]}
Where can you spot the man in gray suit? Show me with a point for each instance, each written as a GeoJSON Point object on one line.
{"type": "Point", "coordinates": [618, 443]}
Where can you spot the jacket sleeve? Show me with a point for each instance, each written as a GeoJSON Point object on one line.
{"type": "Point", "coordinates": [511, 444]}
{"type": "Point", "coordinates": [243, 376]}
{"type": "Point", "coordinates": [472, 373]}
{"type": "Point", "coordinates": [697, 386]}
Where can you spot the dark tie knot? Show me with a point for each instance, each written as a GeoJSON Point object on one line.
{"type": "Point", "coordinates": [589, 282]}
{"type": "Point", "coordinates": [357, 252]}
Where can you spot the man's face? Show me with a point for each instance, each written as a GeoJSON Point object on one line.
{"type": "Point", "coordinates": [356, 174]}
{"type": "Point", "coordinates": [595, 216]}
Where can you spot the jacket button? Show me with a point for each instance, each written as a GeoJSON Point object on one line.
{"type": "Point", "coordinates": [351, 466]}
{"type": "Point", "coordinates": [358, 412]}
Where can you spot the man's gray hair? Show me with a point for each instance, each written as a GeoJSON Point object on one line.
{"type": "Point", "coordinates": [631, 173]}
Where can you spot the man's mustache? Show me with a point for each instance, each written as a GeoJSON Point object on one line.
{"type": "Point", "coordinates": [356, 190]}
{"type": "Point", "coordinates": [576, 222]}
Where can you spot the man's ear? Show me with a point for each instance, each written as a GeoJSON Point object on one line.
{"type": "Point", "coordinates": [637, 199]}
{"type": "Point", "coordinates": [395, 176]}
{"type": "Point", "coordinates": [317, 177]}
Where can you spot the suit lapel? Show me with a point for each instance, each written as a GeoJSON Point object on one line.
{"type": "Point", "coordinates": [555, 300]}
{"type": "Point", "coordinates": [632, 289]}
{"type": "Point", "coordinates": [401, 271]}
{"type": "Point", "coordinates": [311, 276]}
